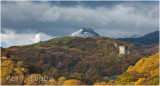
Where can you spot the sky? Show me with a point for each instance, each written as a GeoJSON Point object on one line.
{"type": "Point", "coordinates": [27, 22]}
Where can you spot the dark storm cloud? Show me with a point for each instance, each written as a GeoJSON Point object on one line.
{"type": "Point", "coordinates": [62, 18]}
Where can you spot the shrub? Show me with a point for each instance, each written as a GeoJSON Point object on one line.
{"type": "Point", "coordinates": [61, 80]}
{"type": "Point", "coordinates": [96, 78]}
{"type": "Point", "coordinates": [35, 79]}
{"type": "Point", "coordinates": [140, 81]}
{"type": "Point", "coordinates": [78, 76]}
{"type": "Point", "coordinates": [51, 82]}
{"type": "Point", "coordinates": [19, 64]}
{"type": "Point", "coordinates": [73, 82]}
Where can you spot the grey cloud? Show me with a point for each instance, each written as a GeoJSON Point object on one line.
{"type": "Point", "coordinates": [58, 20]}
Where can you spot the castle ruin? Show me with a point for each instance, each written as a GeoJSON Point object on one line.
{"type": "Point", "coordinates": [123, 49]}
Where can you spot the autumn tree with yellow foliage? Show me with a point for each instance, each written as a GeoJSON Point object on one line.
{"type": "Point", "coordinates": [145, 72]}
{"type": "Point", "coordinates": [10, 74]}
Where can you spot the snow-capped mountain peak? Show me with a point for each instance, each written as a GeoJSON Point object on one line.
{"type": "Point", "coordinates": [85, 32]}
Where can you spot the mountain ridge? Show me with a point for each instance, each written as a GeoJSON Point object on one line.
{"type": "Point", "coordinates": [149, 42]}
{"type": "Point", "coordinates": [147, 39]}
{"type": "Point", "coordinates": [85, 32]}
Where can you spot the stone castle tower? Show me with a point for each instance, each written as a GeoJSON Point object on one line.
{"type": "Point", "coordinates": [123, 49]}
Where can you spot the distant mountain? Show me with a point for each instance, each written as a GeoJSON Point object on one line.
{"type": "Point", "coordinates": [151, 38]}
{"type": "Point", "coordinates": [84, 32]}
{"type": "Point", "coordinates": [127, 36]}
{"type": "Point", "coordinates": [134, 36]}
{"type": "Point", "coordinates": [148, 42]}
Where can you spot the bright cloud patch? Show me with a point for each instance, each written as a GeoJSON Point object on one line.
{"type": "Point", "coordinates": [10, 38]}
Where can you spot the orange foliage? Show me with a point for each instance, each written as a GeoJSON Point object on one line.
{"type": "Point", "coordinates": [73, 82]}
{"type": "Point", "coordinates": [100, 83]}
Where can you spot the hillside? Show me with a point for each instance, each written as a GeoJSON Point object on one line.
{"type": "Point", "coordinates": [67, 55]}
{"type": "Point", "coordinates": [145, 72]}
